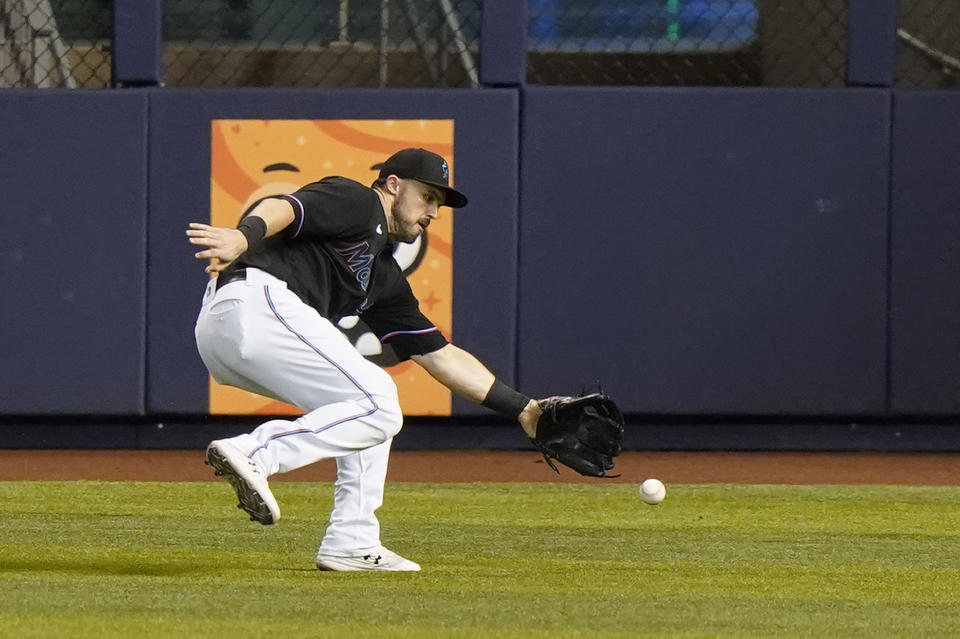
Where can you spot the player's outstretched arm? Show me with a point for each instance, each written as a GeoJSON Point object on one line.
{"type": "Point", "coordinates": [465, 375]}
{"type": "Point", "coordinates": [584, 433]}
{"type": "Point", "coordinates": [223, 245]}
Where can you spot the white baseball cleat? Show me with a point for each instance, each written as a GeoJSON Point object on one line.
{"type": "Point", "coordinates": [249, 482]}
{"type": "Point", "coordinates": [379, 559]}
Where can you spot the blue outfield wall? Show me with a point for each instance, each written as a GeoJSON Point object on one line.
{"type": "Point", "coordinates": [925, 253]}
{"type": "Point", "coordinates": [708, 255]}
{"type": "Point", "coordinates": [74, 184]}
{"type": "Point", "coordinates": [727, 250]}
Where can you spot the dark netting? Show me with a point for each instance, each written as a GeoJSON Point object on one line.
{"type": "Point", "coordinates": [929, 43]}
{"type": "Point", "coordinates": [688, 42]}
{"type": "Point", "coordinates": [55, 43]}
{"type": "Point", "coordinates": [336, 43]}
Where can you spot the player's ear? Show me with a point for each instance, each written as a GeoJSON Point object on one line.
{"type": "Point", "coordinates": [393, 184]}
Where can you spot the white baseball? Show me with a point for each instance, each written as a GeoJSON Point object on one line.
{"type": "Point", "coordinates": [652, 491]}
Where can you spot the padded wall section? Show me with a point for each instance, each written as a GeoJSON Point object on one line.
{"type": "Point", "coordinates": [925, 256]}
{"type": "Point", "coordinates": [485, 233]}
{"type": "Point", "coordinates": [73, 246]}
{"type": "Point", "coordinates": [700, 250]}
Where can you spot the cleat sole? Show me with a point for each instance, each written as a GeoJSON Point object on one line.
{"type": "Point", "coordinates": [250, 500]}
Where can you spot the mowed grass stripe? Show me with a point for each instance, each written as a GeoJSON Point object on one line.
{"type": "Point", "coordinates": [100, 559]}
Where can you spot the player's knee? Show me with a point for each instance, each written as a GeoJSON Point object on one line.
{"type": "Point", "coordinates": [388, 413]}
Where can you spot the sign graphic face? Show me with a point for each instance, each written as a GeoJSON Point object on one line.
{"type": "Point", "coordinates": [255, 159]}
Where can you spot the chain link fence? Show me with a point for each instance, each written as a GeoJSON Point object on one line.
{"type": "Point", "coordinates": [688, 42]}
{"type": "Point", "coordinates": [55, 43]}
{"type": "Point", "coordinates": [928, 55]}
{"type": "Point", "coordinates": [336, 43]}
{"type": "Point", "coordinates": [435, 43]}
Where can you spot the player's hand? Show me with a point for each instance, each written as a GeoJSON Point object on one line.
{"type": "Point", "coordinates": [529, 417]}
{"type": "Point", "coordinates": [223, 245]}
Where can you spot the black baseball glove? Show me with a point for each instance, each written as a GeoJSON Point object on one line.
{"type": "Point", "coordinates": [584, 433]}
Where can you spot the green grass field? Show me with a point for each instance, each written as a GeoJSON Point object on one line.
{"type": "Point", "coordinates": [91, 559]}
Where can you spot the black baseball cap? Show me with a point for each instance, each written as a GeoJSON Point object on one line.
{"type": "Point", "coordinates": [427, 167]}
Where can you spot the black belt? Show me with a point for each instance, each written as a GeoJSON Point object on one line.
{"type": "Point", "coordinates": [236, 275]}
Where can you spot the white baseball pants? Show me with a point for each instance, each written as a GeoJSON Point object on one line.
{"type": "Point", "coordinates": [258, 336]}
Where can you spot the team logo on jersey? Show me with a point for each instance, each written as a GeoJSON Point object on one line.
{"type": "Point", "coordinates": [359, 260]}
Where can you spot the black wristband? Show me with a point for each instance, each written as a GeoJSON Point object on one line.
{"type": "Point", "coordinates": [254, 228]}
{"type": "Point", "coordinates": [504, 400]}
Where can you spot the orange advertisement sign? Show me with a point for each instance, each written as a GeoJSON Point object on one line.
{"type": "Point", "coordinates": [255, 159]}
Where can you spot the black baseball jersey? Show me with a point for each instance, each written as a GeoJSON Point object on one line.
{"type": "Point", "coordinates": [336, 257]}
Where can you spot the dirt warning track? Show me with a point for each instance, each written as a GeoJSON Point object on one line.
{"type": "Point", "coordinates": [513, 466]}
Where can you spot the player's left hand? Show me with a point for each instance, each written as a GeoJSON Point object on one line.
{"type": "Point", "coordinates": [223, 244]}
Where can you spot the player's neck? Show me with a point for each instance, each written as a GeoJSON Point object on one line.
{"type": "Point", "coordinates": [386, 201]}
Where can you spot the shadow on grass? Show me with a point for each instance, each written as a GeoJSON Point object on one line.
{"type": "Point", "coordinates": [99, 567]}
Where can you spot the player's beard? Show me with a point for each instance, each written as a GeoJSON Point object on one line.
{"type": "Point", "coordinates": [403, 230]}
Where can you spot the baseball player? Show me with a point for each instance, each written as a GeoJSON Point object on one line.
{"type": "Point", "coordinates": [293, 267]}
